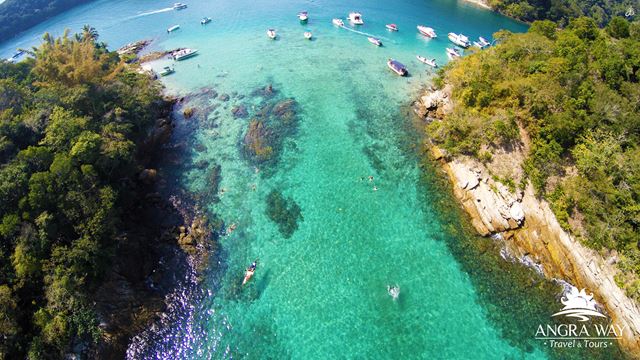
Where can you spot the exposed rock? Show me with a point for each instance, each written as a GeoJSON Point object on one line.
{"type": "Point", "coordinates": [148, 176]}
{"type": "Point", "coordinates": [224, 97]}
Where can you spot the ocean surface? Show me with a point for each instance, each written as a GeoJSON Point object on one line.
{"type": "Point", "coordinates": [321, 290]}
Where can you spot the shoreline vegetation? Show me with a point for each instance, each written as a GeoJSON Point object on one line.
{"type": "Point", "coordinates": [87, 219]}
{"type": "Point", "coordinates": [539, 138]}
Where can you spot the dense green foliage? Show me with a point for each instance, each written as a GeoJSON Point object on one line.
{"type": "Point", "coordinates": [70, 120]}
{"type": "Point", "coordinates": [562, 11]}
{"type": "Point", "coordinates": [19, 15]}
{"type": "Point", "coordinates": [576, 93]}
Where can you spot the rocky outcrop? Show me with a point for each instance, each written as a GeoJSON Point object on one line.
{"type": "Point", "coordinates": [531, 231]}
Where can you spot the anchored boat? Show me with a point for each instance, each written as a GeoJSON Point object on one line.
{"type": "Point", "coordinates": [173, 28]}
{"type": "Point", "coordinates": [303, 16]}
{"type": "Point", "coordinates": [427, 31]}
{"type": "Point", "coordinates": [355, 18]}
{"type": "Point", "coordinates": [167, 70]}
{"type": "Point", "coordinates": [397, 67]}
{"type": "Point", "coordinates": [184, 54]}
{"type": "Point", "coordinates": [431, 62]}
{"type": "Point", "coordinates": [271, 33]}
{"type": "Point", "coordinates": [459, 40]}
{"type": "Point", "coordinates": [205, 20]}
{"type": "Point", "coordinates": [308, 35]}
{"type": "Point", "coordinates": [392, 27]}
{"type": "Point", "coordinates": [453, 53]}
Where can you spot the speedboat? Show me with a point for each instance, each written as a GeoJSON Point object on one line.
{"type": "Point", "coordinates": [392, 27]}
{"type": "Point", "coordinates": [271, 33]}
{"type": "Point", "coordinates": [431, 62]}
{"type": "Point", "coordinates": [459, 40]}
{"type": "Point", "coordinates": [248, 274]}
{"type": "Point", "coordinates": [453, 53]}
{"type": "Point", "coordinates": [483, 41]}
{"type": "Point", "coordinates": [173, 28]}
{"type": "Point", "coordinates": [205, 20]}
{"type": "Point", "coordinates": [397, 67]}
{"type": "Point", "coordinates": [375, 41]}
{"type": "Point", "coordinates": [167, 70]}
{"type": "Point", "coordinates": [179, 6]}
{"type": "Point", "coordinates": [355, 18]}
{"type": "Point", "coordinates": [303, 16]}
{"type": "Point", "coordinates": [337, 22]}
{"type": "Point", "coordinates": [308, 35]}
{"type": "Point", "coordinates": [427, 31]}
{"type": "Point", "coordinates": [184, 54]}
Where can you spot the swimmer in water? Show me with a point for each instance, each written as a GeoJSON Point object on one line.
{"type": "Point", "coordinates": [375, 188]}
{"type": "Point", "coordinates": [370, 178]}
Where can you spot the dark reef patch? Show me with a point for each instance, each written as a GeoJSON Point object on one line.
{"type": "Point", "coordinates": [283, 211]}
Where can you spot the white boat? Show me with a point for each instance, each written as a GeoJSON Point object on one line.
{"type": "Point", "coordinates": [459, 40]}
{"type": "Point", "coordinates": [173, 28]}
{"type": "Point", "coordinates": [184, 54]}
{"type": "Point", "coordinates": [308, 35]}
{"type": "Point", "coordinates": [205, 20]}
{"type": "Point", "coordinates": [179, 6]}
{"type": "Point", "coordinates": [337, 22]}
{"type": "Point", "coordinates": [453, 53]}
{"type": "Point", "coordinates": [431, 62]}
{"type": "Point", "coordinates": [271, 33]}
{"type": "Point", "coordinates": [303, 16]}
{"type": "Point", "coordinates": [483, 41]}
{"type": "Point", "coordinates": [392, 27]}
{"type": "Point", "coordinates": [355, 18]}
{"type": "Point", "coordinates": [167, 70]}
{"type": "Point", "coordinates": [397, 67]}
{"type": "Point", "coordinates": [427, 31]}
{"type": "Point", "coordinates": [375, 41]}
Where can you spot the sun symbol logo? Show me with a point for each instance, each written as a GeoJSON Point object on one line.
{"type": "Point", "coordinates": [578, 304]}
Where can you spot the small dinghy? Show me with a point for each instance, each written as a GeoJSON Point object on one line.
{"type": "Point", "coordinates": [308, 35]}
{"type": "Point", "coordinates": [337, 22]}
{"type": "Point", "coordinates": [453, 53]}
{"type": "Point", "coordinates": [431, 62]}
{"type": "Point", "coordinates": [179, 6]}
{"type": "Point", "coordinates": [375, 41]}
{"type": "Point", "coordinates": [167, 70]}
{"type": "Point", "coordinates": [205, 20]}
{"type": "Point", "coordinates": [397, 67]}
{"type": "Point", "coordinates": [303, 16]}
{"type": "Point", "coordinates": [173, 28]}
{"type": "Point", "coordinates": [248, 274]}
{"type": "Point", "coordinates": [394, 291]}
{"type": "Point", "coordinates": [392, 27]}
{"type": "Point", "coordinates": [271, 33]}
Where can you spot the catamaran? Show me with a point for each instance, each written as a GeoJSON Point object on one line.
{"type": "Point", "coordinates": [397, 67]}
{"type": "Point", "coordinates": [375, 41]}
{"type": "Point", "coordinates": [184, 54]}
{"type": "Point", "coordinates": [431, 62]}
{"type": "Point", "coordinates": [459, 40]}
{"type": "Point", "coordinates": [427, 31]}
{"type": "Point", "coordinates": [355, 18]}
{"type": "Point", "coordinates": [173, 28]}
{"type": "Point", "coordinates": [205, 20]}
{"type": "Point", "coordinates": [453, 53]}
{"type": "Point", "coordinates": [303, 16]}
{"type": "Point", "coordinates": [179, 6]}
{"type": "Point", "coordinates": [271, 33]}
{"type": "Point", "coordinates": [337, 22]}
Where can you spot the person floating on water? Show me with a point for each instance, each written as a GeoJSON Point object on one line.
{"type": "Point", "coordinates": [248, 274]}
{"type": "Point", "coordinates": [375, 188]}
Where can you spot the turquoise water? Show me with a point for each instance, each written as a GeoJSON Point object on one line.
{"type": "Point", "coordinates": [322, 292]}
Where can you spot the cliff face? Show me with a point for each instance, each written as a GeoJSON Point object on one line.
{"type": "Point", "coordinates": [529, 228]}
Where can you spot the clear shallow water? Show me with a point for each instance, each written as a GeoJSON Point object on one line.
{"type": "Point", "coordinates": [322, 292]}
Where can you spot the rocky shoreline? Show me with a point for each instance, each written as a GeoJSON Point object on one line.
{"type": "Point", "coordinates": [527, 226]}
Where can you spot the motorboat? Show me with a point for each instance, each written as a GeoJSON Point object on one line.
{"type": "Point", "coordinates": [431, 62]}
{"type": "Point", "coordinates": [173, 28]}
{"type": "Point", "coordinates": [483, 41]}
{"type": "Point", "coordinates": [355, 18]}
{"type": "Point", "coordinates": [179, 6]}
{"type": "Point", "coordinates": [375, 41]}
{"type": "Point", "coordinates": [427, 31]}
{"type": "Point", "coordinates": [248, 274]}
{"type": "Point", "coordinates": [459, 40]}
{"type": "Point", "coordinates": [184, 54]}
{"type": "Point", "coordinates": [337, 22]}
{"type": "Point", "coordinates": [303, 16]}
{"type": "Point", "coordinates": [393, 291]}
{"type": "Point", "coordinates": [392, 27]}
{"type": "Point", "coordinates": [453, 53]}
{"type": "Point", "coordinates": [205, 20]}
{"type": "Point", "coordinates": [308, 35]}
{"type": "Point", "coordinates": [271, 33]}
{"type": "Point", "coordinates": [167, 70]}
{"type": "Point", "coordinates": [397, 67]}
